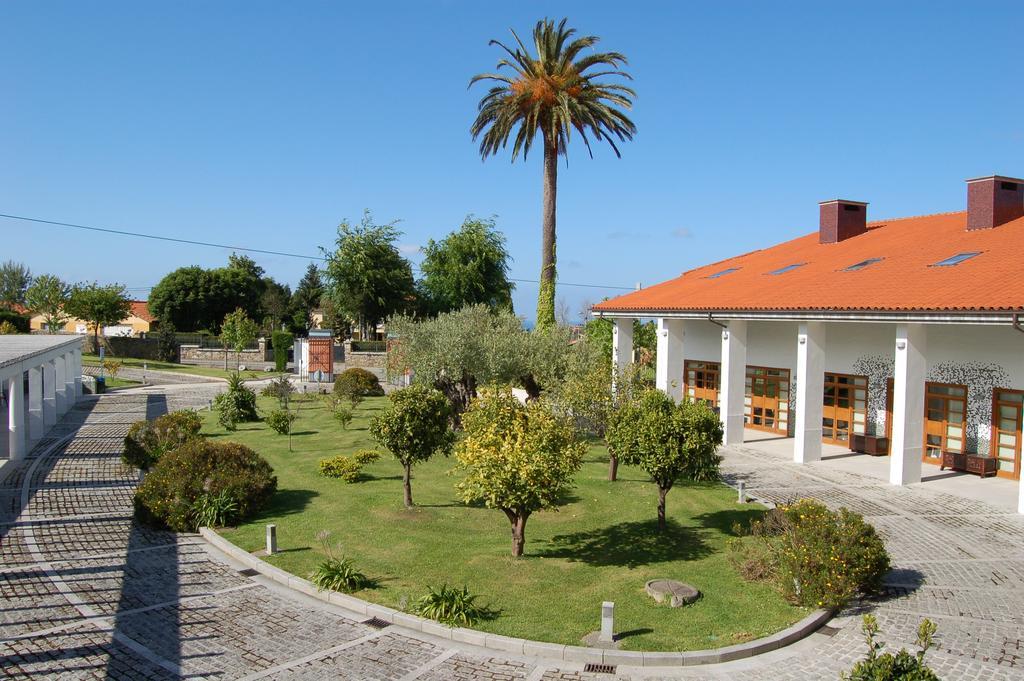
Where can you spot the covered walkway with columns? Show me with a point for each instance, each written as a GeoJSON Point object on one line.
{"type": "Point", "coordinates": [904, 364]}
{"type": "Point", "coordinates": [41, 379]}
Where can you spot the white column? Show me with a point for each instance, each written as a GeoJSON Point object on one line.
{"type": "Point", "coordinates": [622, 347]}
{"type": "Point", "coordinates": [669, 374]}
{"type": "Point", "coordinates": [69, 379]}
{"type": "Point", "coordinates": [4, 411]}
{"type": "Point", "coordinates": [810, 388]}
{"type": "Point", "coordinates": [16, 416]}
{"type": "Point", "coordinates": [733, 378]}
{"type": "Point", "coordinates": [60, 385]}
{"type": "Point", "coordinates": [908, 405]}
{"type": "Point", "coordinates": [76, 362]}
{"type": "Point", "coordinates": [49, 394]}
{"type": "Point", "coordinates": [36, 425]}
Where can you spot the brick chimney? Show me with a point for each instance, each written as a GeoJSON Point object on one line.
{"type": "Point", "coordinates": [993, 201]}
{"type": "Point", "coordinates": [841, 220]}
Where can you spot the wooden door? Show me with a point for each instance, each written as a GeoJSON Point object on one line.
{"type": "Point", "coordinates": [945, 412]}
{"type": "Point", "coordinates": [702, 381]}
{"type": "Point", "coordinates": [844, 408]}
{"type": "Point", "coordinates": [1006, 431]}
{"type": "Point", "coordinates": [766, 403]}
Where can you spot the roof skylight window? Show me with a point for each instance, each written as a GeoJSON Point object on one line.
{"type": "Point", "coordinates": [956, 259]}
{"type": "Point", "coordinates": [862, 264]}
{"type": "Point", "coordinates": [787, 268]}
{"type": "Point", "coordinates": [722, 273]}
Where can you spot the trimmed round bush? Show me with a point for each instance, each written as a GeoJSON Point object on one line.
{"type": "Point", "coordinates": [147, 441]}
{"type": "Point", "coordinates": [357, 382]}
{"type": "Point", "coordinates": [186, 477]}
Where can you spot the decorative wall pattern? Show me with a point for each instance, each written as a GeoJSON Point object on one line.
{"type": "Point", "coordinates": [981, 378]}
{"type": "Point", "coordinates": [879, 370]}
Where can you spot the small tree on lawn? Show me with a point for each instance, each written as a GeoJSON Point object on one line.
{"type": "Point", "coordinates": [237, 332]}
{"type": "Point", "coordinates": [413, 427]}
{"type": "Point", "coordinates": [47, 296]}
{"type": "Point", "coordinates": [99, 306]}
{"type": "Point", "coordinates": [517, 458]}
{"type": "Point", "coordinates": [670, 441]}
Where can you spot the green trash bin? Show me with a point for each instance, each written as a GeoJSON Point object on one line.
{"type": "Point", "coordinates": [101, 385]}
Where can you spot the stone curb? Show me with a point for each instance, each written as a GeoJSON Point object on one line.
{"type": "Point", "coordinates": [518, 646]}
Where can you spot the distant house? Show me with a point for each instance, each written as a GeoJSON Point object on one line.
{"type": "Point", "coordinates": [139, 321]}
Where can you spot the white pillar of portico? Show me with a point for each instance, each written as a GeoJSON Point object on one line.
{"type": "Point", "coordinates": [69, 379]}
{"type": "Point", "coordinates": [669, 370]}
{"type": "Point", "coordinates": [810, 388]}
{"type": "Point", "coordinates": [16, 416]}
{"type": "Point", "coordinates": [4, 411]}
{"type": "Point", "coordinates": [76, 362]}
{"type": "Point", "coordinates": [36, 424]}
{"type": "Point", "coordinates": [622, 347]}
{"type": "Point", "coordinates": [60, 385]}
{"type": "Point", "coordinates": [908, 405]}
{"type": "Point", "coordinates": [733, 379]}
{"type": "Point", "coordinates": [49, 393]}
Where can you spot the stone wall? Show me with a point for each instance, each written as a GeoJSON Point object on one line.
{"type": "Point", "coordinates": [366, 360]}
{"type": "Point", "coordinates": [124, 346]}
{"type": "Point", "coordinates": [194, 354]}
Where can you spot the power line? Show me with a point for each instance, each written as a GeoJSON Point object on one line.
{"type": "Point", "coordinates": [246, 249]}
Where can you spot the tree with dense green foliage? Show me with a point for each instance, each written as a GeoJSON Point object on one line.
{"type": "Point", "coordinates": [47, 296]}
{"type": "Point", "coordinates": [167, 342]}
{"type": "Point", "coordinates": [517, 458]}
{"type": "Point", "coordinates": [645, 337]}
{"type": "Point", "coordinates": [281, 341]}
{"type": "Point", "coordinates": [237, 332]}
{"type": "Point", "coordinates": [98, 306]}
{"type": "Point", "coordinates": [552, 94]}
{"type": "Point", "coordinates": [15, 279]}
{"type": "Point", "coordinates": [368, 280]}
{"type": "Point", "coordinates": [414, 427]}
{"type": "Point", "coordinates": [147, 441]}
{"type": "Point", "coordinates": [306, 298]}
{"type": "Point", "coordinates": [670, 441]}
{"type": "Point", "coordinates": [196, 299]}
{"type": "Point", "coordinates": [276, 306]}
{"type": "Point", "coordinates": [18, 323]}
{"type": "Point", "coordinates": [467, 267]}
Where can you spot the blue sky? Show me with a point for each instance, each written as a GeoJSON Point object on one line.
{"type": "Point", "coordinates": [265, 124]}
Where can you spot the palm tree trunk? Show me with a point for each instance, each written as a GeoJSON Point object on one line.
{"type": "Point", "coordinates": [546, 297]}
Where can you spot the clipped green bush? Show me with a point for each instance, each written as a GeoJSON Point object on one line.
{"type": "Point", "coordinates": [280, 388]}
{"type": "Point", "coordinates": [170, 494]}
{"type": "Point", "coordinates": [356, 382]}
{"type": "Point", "coordinates": [816, 557]}
{"type": "Point", "coordinates": [281, 341]}
{"type": "Point", "coordinates": [902, 666]}
{"type": "Point", "coordinates": [341, 466]}
{"type": "Point", "coordinates": [452, 606]}
{"type": "Point", "coordinates": [236, 405]}
{"type": "Point", "coordinates": [364, 457]}
{"type": "Point", "coordinates": [280, 421]}
{"type": "Point", "coordinates": [147, 441]}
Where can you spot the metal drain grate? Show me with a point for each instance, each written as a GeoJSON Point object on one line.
{"type": "Point", "coordinates": [248, 572]}
{"type": "Point", "coordinates": [599, 668]}
{"type": "Point", "coordinates": [828, 631]}
{"type": "Point", "coordinates": [376, 623]}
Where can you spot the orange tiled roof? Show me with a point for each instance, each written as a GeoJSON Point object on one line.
{"type": "Point", "coordinates": [141, 310]}
{"type": "Point", "coordinates": [903, 281]}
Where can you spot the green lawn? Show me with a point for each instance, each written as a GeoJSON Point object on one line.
{"type": "Point", "coordinates": [94, 360]}
{"type": "Point", "coordinates": [114, 382]}
{"type": "Point", "coordinates": [601, 546]}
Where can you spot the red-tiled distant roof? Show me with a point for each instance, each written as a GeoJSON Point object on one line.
{"type": "Point", "coordinates": [905, 279]}
{"type": "Point", "coordinates": [141, 310]}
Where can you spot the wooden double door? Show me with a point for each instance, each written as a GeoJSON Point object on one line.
{"type": "Point", "coordinates": [766, 402]}
{"type": "Point", "coordinates": [844, 408]}
{"type": "Point", "coordinates": [702, 381]}
{"type": "Point", "coordinates": [1007, 413]}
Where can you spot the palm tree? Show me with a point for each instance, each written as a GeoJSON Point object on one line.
{"type": "Point", "coordinates": [552, 94]}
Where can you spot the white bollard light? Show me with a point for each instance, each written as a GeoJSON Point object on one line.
{"type": "Point", "coordinates": [607, 622]}
{"type": "Point", "coordinates": [271, 539]}
{"type": "Point", "coordinates": [740, 485]}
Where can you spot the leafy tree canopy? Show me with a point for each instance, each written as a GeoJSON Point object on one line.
{"type": "Point", "coordinates": [48, 296]}
{"type": "Point", "coordinates": [368, 280]}
{"type": "Point", "coordinates": [468, 267]}
{"type": "Point", "coordinates": [97, 305]}
{"type": "Point", "coordinates": [15, 279]}
{"type": "Point", "coordinates": [645, 337]}
{"type": "Point", "coordinates": [196, 299]}
{"type": "Point", "coordinates": [306, 298]}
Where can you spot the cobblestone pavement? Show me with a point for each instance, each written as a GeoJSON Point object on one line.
{"type": "Point", "coordinates": [87, 594]}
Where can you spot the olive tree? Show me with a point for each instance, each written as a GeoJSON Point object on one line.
{"type": "Point", "coordinates": [519, 458]}
{"type": "Point", "coordinates": [413, 427]}
{"type": "Point", "coordinates": [670, 441]}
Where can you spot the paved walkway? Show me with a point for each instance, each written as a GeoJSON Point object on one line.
{"type": "Point", "coordinates": [86, 593]}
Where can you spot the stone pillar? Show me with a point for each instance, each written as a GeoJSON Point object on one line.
{"type": "Point", "coordinates": [49, 394]}
{"type": "Point", "coordinates": [669, 374]}
{"type": "Point", "coordinates": [810, 388]}
{"type": "Point", "coordinates": [16, 448]}
{"type": "Point", "coordinates": [69, 379]}
{"type": "Point", "coordinates": [733, 381]}
{"type": "Point", "coordinates": [908, 405]}
{"type": "Point", "coordinates": [622, 347]}
{"type": "Point", "coordinates": [60, 385]}
{"type": "Point", "coordinates": [36, 424]}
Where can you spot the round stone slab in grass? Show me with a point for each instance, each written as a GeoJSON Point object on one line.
{"type": "Point", "coordinates": [677, 593]}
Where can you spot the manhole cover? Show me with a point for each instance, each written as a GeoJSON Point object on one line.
{"type": "Point", "coordinates": [377, 623]}
{"type": "Point", "coordinates": [677, 593]}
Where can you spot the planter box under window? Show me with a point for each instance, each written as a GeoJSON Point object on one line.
{"type": "Point", "coordinates": [870, 444]}
{"type": "Point", "coordinates": [970, 463]}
